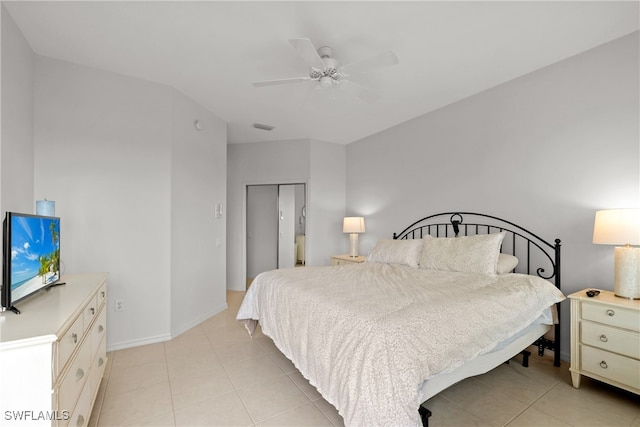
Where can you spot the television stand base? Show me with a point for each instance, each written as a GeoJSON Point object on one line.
{"type": "Point", "coordinates": [12, 308]}
{"type": "Point", "coordinates": [57, 284]}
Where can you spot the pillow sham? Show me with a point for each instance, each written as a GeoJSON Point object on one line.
{"type": "Point", "coordinates": [467, 254]}
{"type": "Point", "coordinates": [506, 263]}
{"type": "Point", "coordinates": [390, 251]}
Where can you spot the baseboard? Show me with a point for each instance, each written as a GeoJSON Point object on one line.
{"type": "Point", "coordinates": [138, 342]}
{"type": "Point", "coordinates": [178, 331]}
{"type": "Point", "coordinates": [165, 337]}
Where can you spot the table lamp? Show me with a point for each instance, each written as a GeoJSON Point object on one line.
{"type": "Point", "coordinates": [621, 227]}
{"type": "Point", "coordinates": [353, 225]}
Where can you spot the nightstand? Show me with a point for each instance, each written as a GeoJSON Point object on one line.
{"type": "Point", "coordinates": [346, 259]}
{"type": "Point", "coordinates": [605, 339]}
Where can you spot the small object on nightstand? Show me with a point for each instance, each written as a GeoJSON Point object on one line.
{"type": "Point", "coordinates": [346, 259]}
{"type": "Point", "coordinates": [605, 339]}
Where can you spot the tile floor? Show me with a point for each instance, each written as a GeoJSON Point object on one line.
{"type": "Point", "coordinates": [215, 375]}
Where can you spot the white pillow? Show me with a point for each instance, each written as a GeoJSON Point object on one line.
{"type": "Point", "coordinates": [467, 254]}
{"type": "Point", "coordinates": [389, 251]}
{"type": "Point", "coordinates": [506, 263]}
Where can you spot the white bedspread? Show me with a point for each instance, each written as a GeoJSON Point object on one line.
{"type": "Point", "coordinates": [367, 335]}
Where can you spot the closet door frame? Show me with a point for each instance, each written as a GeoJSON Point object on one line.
{"type": "Point", "coordinates": [245, 186]}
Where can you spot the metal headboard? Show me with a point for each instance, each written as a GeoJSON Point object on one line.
{"type": "Point", "coordinates": [533, 252]}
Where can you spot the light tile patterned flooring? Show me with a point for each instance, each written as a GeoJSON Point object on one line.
{"type": "Point", "coordinates": [215, 375]}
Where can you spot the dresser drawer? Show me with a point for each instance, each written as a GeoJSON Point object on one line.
{"type": "Point", "coordinates": [621, 317]}
{"type": "Point", "coordinates": [74, 380]}
{"type": "Point", "coordinates": [102, 295]}
{"type": "Point", "coordinates": [90, 311]}
{"type": "Point", "coordinates": [68, 343]}
{"type": "Point", "coordinates": [98, 366]}
{"type": "Point", "coordinates": [611, 366]}
{"type": "Point", "coordinates": [81, 413]}
{"type": "Point", "coordinates": [98, 332]}
{"type": "Point", "coordinates": [607, 338]}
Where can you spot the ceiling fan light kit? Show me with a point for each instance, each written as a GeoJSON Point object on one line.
{"type": "Point", "coordinates": [328, 72]}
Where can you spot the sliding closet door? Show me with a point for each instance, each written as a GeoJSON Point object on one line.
{"type": "Point", "coordinates": [262, 229]}
{"type": "Point", "coordinates": [287, 226]}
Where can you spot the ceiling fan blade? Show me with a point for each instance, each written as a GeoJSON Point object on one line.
{"type": "Point", "coordinates": [381, 60]}
{"type": "Point", "coordinates": [281, 81]}
{"type": "Point", "coordinates": [308, 53]}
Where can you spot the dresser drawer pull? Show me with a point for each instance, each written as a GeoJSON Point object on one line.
{"type": "Point", "coordinates": [100, 329]}
{"type": "Point", "coordinates": [80, 421]}
{"type": "Point", "coordinates": [102, 294]}
{"type": "Point", "coordinates": [604, 365]}
{"type": "Point", "coordinates": [74, 337]}
{"type": "Point", "coordinates": [92, 310]}
{"type": "Point", "coordinates": [80, 374]}
{"type": "Point", "coordinates": [604, 338]}
{"type": "Point", "coordinates": [100, 361]}
{"type": "Point", "coordinates": [611, 313]}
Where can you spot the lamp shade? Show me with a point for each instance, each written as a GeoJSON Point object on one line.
{"type": "Point", "coordinates": [353, 224]}
{"type": "Point", "coordinates": [617, 227]}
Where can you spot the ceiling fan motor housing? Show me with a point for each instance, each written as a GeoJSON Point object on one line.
{"type": "Point", "coordinates": [330, 67]}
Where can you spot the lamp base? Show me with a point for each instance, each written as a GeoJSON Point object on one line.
{"type": "Point", "coordinates": [353, 245]}
{"type": "Point", "coordinates": [626, 281]}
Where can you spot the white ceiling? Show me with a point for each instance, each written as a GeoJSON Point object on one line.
{"type": "Point", "coordinates": [212, 51]}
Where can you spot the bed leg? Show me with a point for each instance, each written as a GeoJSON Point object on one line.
{"type": "Point", "coordinates": [424, 415]}
{"type": "Point", "coordinates": [525, 358]}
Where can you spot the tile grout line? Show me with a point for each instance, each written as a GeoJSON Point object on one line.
{"type": "Point", "coordinates": [554, 385]}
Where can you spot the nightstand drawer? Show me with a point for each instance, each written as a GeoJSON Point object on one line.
{"type": "Point", "coordinates": [611, 366]}
{"type": "Point", "coordinates": [611, 339]}
{"type": "Point", "coordinates": [621, 317]}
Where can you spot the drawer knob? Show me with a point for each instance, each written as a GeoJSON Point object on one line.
{"type": "Point", "coordinates": [79, 374]}
{"type": "Point", "coordinates": [74, 337]}
{"type": "Point", "coordinates": [92, 310]}
{"type": "Point", "coordinates": [102, 294]}
{"type": "Point", "coordinates": [604, 365]}
{"type": "Point", "coordinates": [100, 329]}
{"type": "Point", "coordinates": [611, 313]}
{"type": "Point", "coordinates": [604, 338]}
{"type": "Point", "coordinates": [80, 421]}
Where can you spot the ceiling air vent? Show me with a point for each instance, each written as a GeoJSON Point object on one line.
{"type": "Point", "coordinates": [263, 127]}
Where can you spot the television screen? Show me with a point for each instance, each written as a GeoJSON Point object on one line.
{"type": "Point", "coordinates": [31, 258]}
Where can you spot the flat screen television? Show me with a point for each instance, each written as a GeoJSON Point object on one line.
{"type": "Point", "coordinates": [31, 256]}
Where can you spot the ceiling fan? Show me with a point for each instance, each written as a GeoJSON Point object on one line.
{"type": "Point", "coordinates": [328, 71]}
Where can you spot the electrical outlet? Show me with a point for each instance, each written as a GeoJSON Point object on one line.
{"type": "Point", "coordinates": [119, 305]}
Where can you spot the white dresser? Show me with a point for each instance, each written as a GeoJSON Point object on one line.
{"type": "Point", "coordinates": [605, 339]}
{"type": "Point", "coordinates": [53, 355]}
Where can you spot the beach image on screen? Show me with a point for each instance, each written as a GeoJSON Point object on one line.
{"type": "Point", "coordinates": [35, 254]}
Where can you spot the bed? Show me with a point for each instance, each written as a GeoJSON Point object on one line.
{"type": "Point", "coordinates": [430, 307]}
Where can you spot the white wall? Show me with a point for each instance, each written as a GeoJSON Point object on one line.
{"type": "Point", "coordinates": [198, 182]}
{"type": "Point", "coordinates": [326, 195]}
{"type": "Point", "coordinates": [284, 162]}
{"type": "Point", "coordinates": [545, 151]}
{"type": "Point", "coordinates": [320, 165]}
{"type": "Point", "coordinates": [135, 186]}
{"type": "Point", "coordinates": [17, 109]}
{"type": "Point", "coordinates": [103, 153]}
